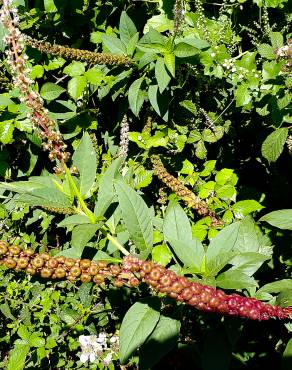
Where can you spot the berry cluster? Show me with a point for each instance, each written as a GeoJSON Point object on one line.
{"type": "Point", "coordinates": [204, 298]}
{"type": "Point", "coordinates": [131, 273]}
{"type": "Point", "coordinates": [59, 267]}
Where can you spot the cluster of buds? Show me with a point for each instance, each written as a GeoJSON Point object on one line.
{"type": "Point", "coordinates": [183, 192]}
{"type": "Point", "coordinates": [208, 120]}
{"type": "Point", "coordinates": [16, 59]}
{"type": "Point", "coordinates": [179, 16]}
{"type": "Point", "coordinates": [131, 273]}
{"type": "Point", "coordinates": [289, 144]}
{"type": "Point", "coordinates": [203, 297]}
{"type": "Point", "coordinates": [78, 54]}
{"type": "Point", "coordinates": [124, 138]}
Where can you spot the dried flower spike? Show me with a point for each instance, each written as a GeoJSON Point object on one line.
{"type": "Point", "coordinates": [182, 191]}
{"type": "Point", "coordinates": [36, 112]}
{"type": "Point", "coordinates": [78, 54]}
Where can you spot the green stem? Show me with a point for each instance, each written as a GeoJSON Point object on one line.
{"type": "Point", "coordinates": [114, 241]}
{"type": "Point", "coordinates": [76, 192]}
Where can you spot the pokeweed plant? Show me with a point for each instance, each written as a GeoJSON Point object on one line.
{"type": "Point", "coordinates": [188, 85]}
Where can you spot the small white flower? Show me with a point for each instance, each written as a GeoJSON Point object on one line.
{"type": "Point", "coordinates": [213, 55]}
{"type": "Point", "coordinates": [107, 360]}
{"type": "Point", "coordinates": [92, 357]}
{"type": "Point", "coordinates": [84, 357]}
{"type": "Point", "coordinates": [83, 340]}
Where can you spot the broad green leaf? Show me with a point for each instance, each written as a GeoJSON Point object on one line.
{"type": "Point", "coordinates": [201, 151]}
{"type": "Point", "coordinates": [136, 96]}
{"type": "Point", "coordinates": [176, 224]}
{"type": "Point", "coordinates": [281, 219]}
{"type": "Point", "coordinates": [114, 45]}
{"type": "Point", "coordinates": [242, 95]}
{"type": "Point", "coordinates": [37, 71]}
{"type": "Point", "coordinates": [137, 217]}
{"type": "Point", "coordinates": [127, 28]}
{"type": "Point", "coordinates": [287, 356]}
{"type": "Point", "coordinates": [169, 60]}
{"type": "Point", "coordinates": [160, 102]}
{"type": "Point", "coordinates": [35, 340]}
{"type": "Point", "coordinates": [244, 207]}
{"type": "Point", "coordinates": [162, 76]}
{"type": "Point", "coordinates": [194, 42]}
{"type": "Point", "coordinates": [271, 70]}
{"type": "Point", "coordinates": [95, 76]}
{"type": "Point", "coordinates": [161, 254]}
{"type": "Point", "coordinates": [50, 6]}
{"type": "Point", "coordinates": [74, 69]}
{"type": "Point", "coordinates": [51, 91]}
{"type": "Point", "coordinates": [284, 299]}
{"type": "Point", "coordinates": [233, 279]}
{"type": "Point", "coordinates": [76, 86]}
{"type": "Point", "coordinates": [221, 247]}
{"type": "Point", "coordinates": [183, 50]}
{"type": "Point", "coordinates": [17, 356]}
{"type": "Point", "coordinates": [190, 252]}
{"type": "Point", "coordinates": [84, 158]}
{"type": "Point", "coordinates": [132, 44]}
{"type": "Point", "coordinates": [161, 341]}
{"type": "Point", "coordinates": [6, 132]}
{"type": "Point", "coordinates": [273, 145]}
{"type": "Point", "coordinates": [81, 235]}
{"type": "Point", "coordinates": [5, 309]}
{"type": "Point", "coordinates": [266, 51]}
{"type": "Point", "coordinates": [74, 220]}
{"type": "Point", "coordinates": [248, 262]}
{"type": "Point", "coordinates": [137, 325]}
{"type": "Point", "coordinates": [106, 187]}
{"type": "Point", "coordinates": [5, 101]}
{"type": "Point", "coordinates": [277, 39]}
{"type": "Point", "coordinates": [276, 286]}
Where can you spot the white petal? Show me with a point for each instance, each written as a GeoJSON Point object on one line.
{"type": "Point", "coordinates": [83, 340]}
{"type": "Point", "coordinates": [92, 357]}
{"type": "Point", "coordinates": [83, 357]}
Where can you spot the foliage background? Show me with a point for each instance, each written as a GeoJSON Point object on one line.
{"type": "Point", "coordinates": [209, 92]}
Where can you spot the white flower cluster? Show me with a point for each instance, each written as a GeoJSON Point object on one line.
{"type": "Point", "coordinates": [124, 138]}
{"type": "Point", "coordinates": [103, 346]}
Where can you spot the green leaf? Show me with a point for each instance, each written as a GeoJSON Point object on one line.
{"type": "Point", "coordinates": [176, 224]}
{"type": "Point", "coordinates": [161, 341]}
{"type": "Point", "coordinates": [137, 217]}
{"type": "Point", "coordinates": [271, 70]}
{"type": "Point", "coordinates": [160, 254]}
{"type": "Point", "coordinates": [114, 45]}
{"type": "Point", "coordinates": [277, 39]}
{"type": "Point", "coordinates": [201, 151]}
{"type": "Point", "coordinates": [281, 219]}
{"type": "Point", "coordinates": [273, 145]}
{"type": "Point", "coordinates": [284, 299]}
{"type": "Point", "coordinates": [51, 91]}
{"type": "Point", "coordinates": [81, 235]}
{"type": "Point", "coordinates": [190, 252]}
{"type": "Point", "coordinates": [248, 262]}
{"type": "Point", "coordinates": [95, 76]}
{"type": "Point", "coordinates": [233, 279]}
{"type": "Point", "coordinates": [195, 42]}
{"type": "Point", "coordinates": [169, 60]}
{"type": "Point", "coordinates": [35, 340]}
{"type": "Point", "coordinates": [162, 76]}
{"type": "Point", "coordinates": [50, 6]}
{"type": "Point", "coordinates": [84, 158]}
{"type": "Point", "coordinates": [6, 132]}
{"type": "Point", "coordinates": [127, 28]}
{"type": "Point", "coordinates": [137, 325]}
{"type": "Point", "coordinates": [37, 71]}
{"type": "Point", "coordinates": [244, 207]}
{"type": "Point", "coordinates": [74, 220]}
{"type": "Point", "coordinates": [17, 356]}
{"type": "Point", "coordinates": [287, 356]}
{"type": "Point", "coordinates": [276, 287]}
{"type": "Point", "coordinates": [74, 69]}
{"type": "Point", "coordinates": [5, 309]}
{"type": "Point", "coordinates": [160, 102]}
{"type": "Point", "coordinates": [183, 50]}
{"type": "Point", "coordinates": [242, 95]}
{"type": "Point", "coordinates": [221, 247]}
{"type": "Point", "coordinates": [266, 51]}
{"type": "Point", "coordinates": [76, 86]}
{"type": "Point", "coordinates": [106, 187]}
{"type": "Point", "coordinates": [136, 96]}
